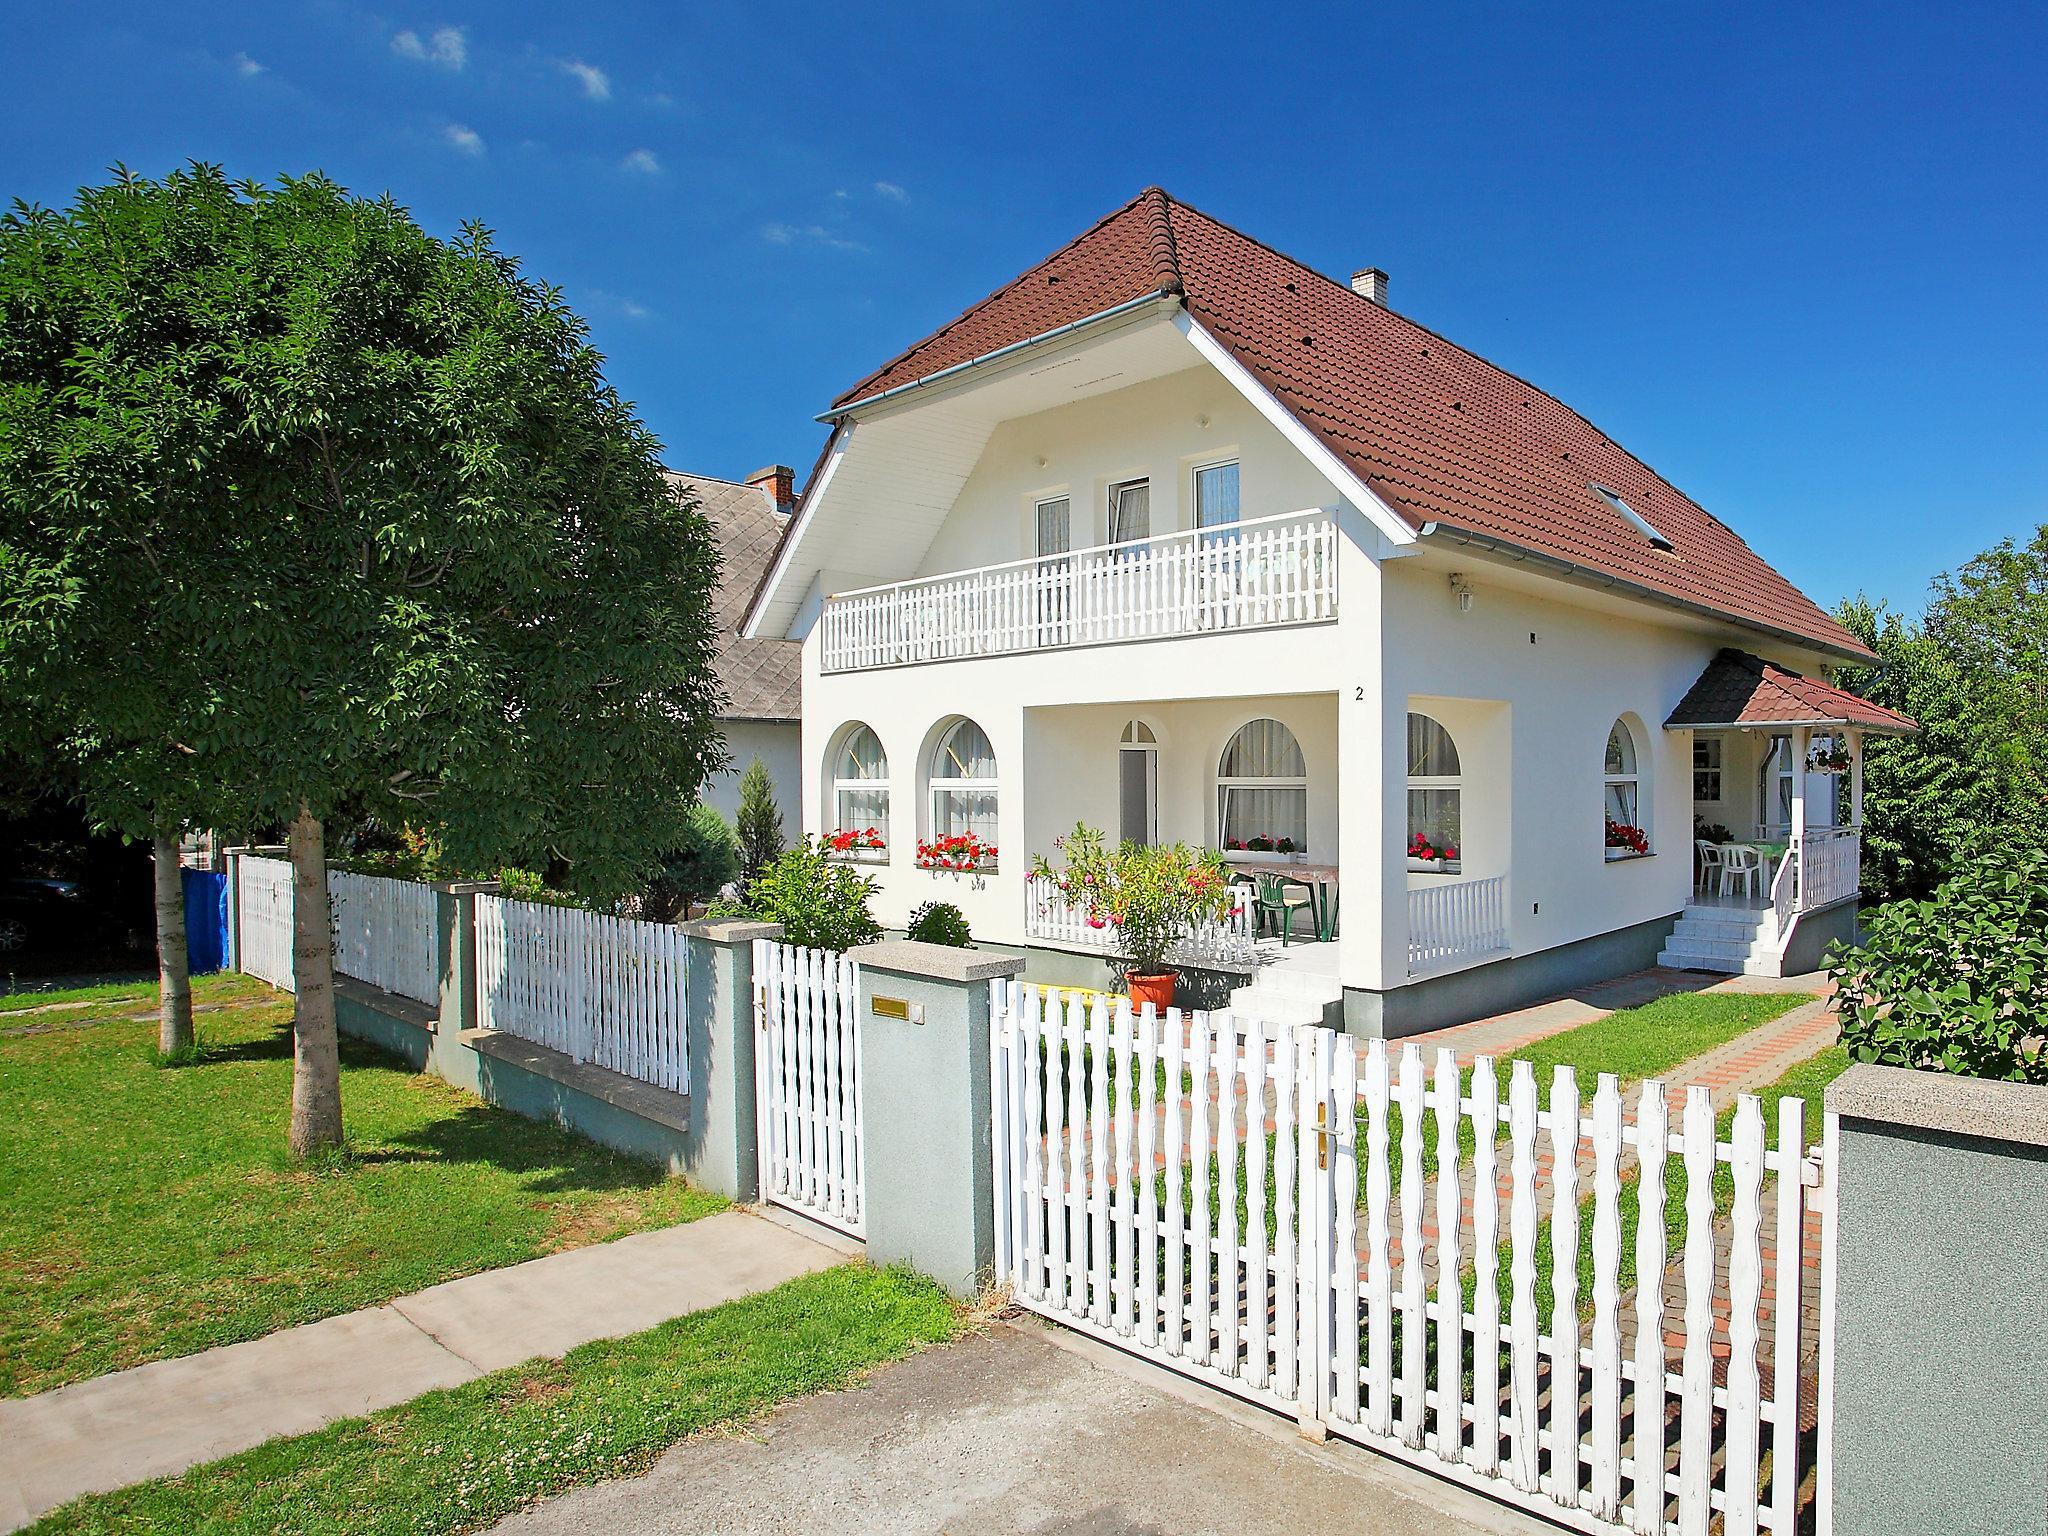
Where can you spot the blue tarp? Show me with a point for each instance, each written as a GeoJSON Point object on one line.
{"type": "Point", "coordinates": [206, 920]}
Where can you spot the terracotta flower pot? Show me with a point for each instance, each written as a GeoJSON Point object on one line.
{"type": "Point", "coordinates": [1156, 989]}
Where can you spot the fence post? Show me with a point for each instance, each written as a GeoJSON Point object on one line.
{"type": "Point", "coordinates": [719, 1011]}
{"type": "Point", "coordinates": [927, 1156]}
{"type": "Point", "coordinates": [1934, 1389]}
{"type": "Point", "coordinates": [455, 940]}
{"type": "Point", "coordinates": [231, 861]}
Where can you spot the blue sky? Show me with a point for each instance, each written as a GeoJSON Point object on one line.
{"type": "Point", "coordinates": [1791, 256]}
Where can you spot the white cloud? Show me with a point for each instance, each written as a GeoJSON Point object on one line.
{"type": "Point", "coordinates": [779, 233]}
{"type": "Point", "coordinates": [642, 161]}
{"type": "Point", "coordinates": [245, 66]}
{"type": "Point", "coordinates": [622, 305]}
{"type": "Point", "coordinates": [892, 192]}
{"type": "Point", "coordinates": [446, 47]}
{"type": "Point", "coordinates": [597, 85]}
{"type": "Point", "coordinates": [466, 140]}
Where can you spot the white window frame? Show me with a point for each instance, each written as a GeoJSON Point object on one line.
{"type": "Point", "coordinates": [843, 786]}
{"type": "Point", "coordinates": [937, 784]}
{"type": "Point", "coordinates": [1609, 781]}
{"type": "Point", "coordinates": [1195, 473]}
{"type": "Point", "coordinates": [1714, 751]}
{"type": "Point", "coordinates": [1439, 781]}
{"type": "Point", "coordinates": [1224, 786]}
{"type": "Point", "coordinates": [1109, 508]}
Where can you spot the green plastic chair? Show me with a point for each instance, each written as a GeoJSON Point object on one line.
{"type": "Point", "coordinates": [1274, 903]}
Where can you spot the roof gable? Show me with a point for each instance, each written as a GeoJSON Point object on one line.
{"type": "Point", "coordinates": [1738, 689]}
{"type": "Point", "coordinates": [1442, 436]}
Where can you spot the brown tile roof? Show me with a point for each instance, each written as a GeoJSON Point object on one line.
{"type": "Point", "coordinates": [1441, 435]}
{"type": "Point", "coordinates": [1740, 689]}
{"type": "Point", "coordinates": [763, 679]}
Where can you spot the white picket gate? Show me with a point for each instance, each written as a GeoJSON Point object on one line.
{"type": "Point", "coordinates": [384, 933]}
{"type": "Point", "coordinates": [263, 907]}
{"type": "Point", "coordinates": [1322, 1226]}
{"type": "Point", "coordinates": [807, 1100]}
{"type": "Point", "coordinates": [601, 989]}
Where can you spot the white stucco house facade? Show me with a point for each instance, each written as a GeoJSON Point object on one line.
{"type": "Point", "coordinates": [1177, 537]}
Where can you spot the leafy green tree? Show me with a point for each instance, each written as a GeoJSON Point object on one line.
{"type": "Point", "coordinates": [302, 510]}
{"type": "Point", "coordinates": [707, 862]}
{"type": "Point", "coordinates": [821, 904]}
{"type": "Point", "coordinates": [1973, 784]}
{"type": "Point", "coordinates": [758, 821]}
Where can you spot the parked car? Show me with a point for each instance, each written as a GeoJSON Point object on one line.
{"type": "Point", "coordinates": [35, 910]}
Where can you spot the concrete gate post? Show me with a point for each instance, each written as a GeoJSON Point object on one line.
{"type": "Point", "coordinates": [722, 1154]}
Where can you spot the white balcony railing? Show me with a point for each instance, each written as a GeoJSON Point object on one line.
{"type": "Point", "coordinates": [1231, 942]}
{"type": "Point", "coordinates": [1823, 867]}
{"type": "Point", "coordinates": [1250, 575]}
{"type": "Point", "coordinates": [1454, 921]}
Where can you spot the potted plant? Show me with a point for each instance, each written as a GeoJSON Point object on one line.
{"type": "Point", "coordinates": [1625, 841]}
{"type": "Point", "coordinates": [863, 843]}
{"type": "Point", "coordinates": [960, 853]}
{"type": "Point", "coordinates": [1262, 849]}
{"type": "Point", "coordinates": [1152, 896]}
{"type": "Point", "coordinates": [1832, 758]}
{"type": "Point", "coordinates": [1425, 855]}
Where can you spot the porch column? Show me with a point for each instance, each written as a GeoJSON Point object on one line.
{"type": "Point", "coordinates": [1856, 779]}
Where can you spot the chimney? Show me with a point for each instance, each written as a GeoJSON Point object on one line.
{"type": "Point", "coordinates": [1371, 283]}
{"type": "Point", "coordinates": [779, 481]}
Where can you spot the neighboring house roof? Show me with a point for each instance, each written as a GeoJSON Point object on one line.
{"type": "Point", "coordinates": [1452, 444]}
{"type": "Point", "coordinates": [1738, 689]}
{"type": "Point", "coordinates": [763, 679]}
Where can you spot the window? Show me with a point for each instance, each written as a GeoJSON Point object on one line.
{"type": "Point", "coordinates": [1262, 789]}
{"type": "Point", "coordinates": [860, 793]}
{"type": "Point", "coordinates": [1130, 511]}
{"type": "Point", "coordinates": [1624, 794]}
{"type": "Point", "coordinates": [1216, 495]}
{"type": "Point", "coordinates": [1137, 781]}
{"type": "Point", "coordinates": [1635, 519]}
{"type": "Point", "coordinates": [1706, 768]}
{"type": "Point", "coordinates": [1435, 794]}
{"type": "Point", "coordinates": [963, 785]}
{"type": "Point", "coordinates": [1054, 526]}
{"type": "Point", "coordinates": [1054, 585]}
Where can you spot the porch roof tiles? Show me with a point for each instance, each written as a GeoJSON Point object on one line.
{"type": "Point", "coordinates": [1740, 690]}
{"type": "Point", "coordinates": [1442, 436]}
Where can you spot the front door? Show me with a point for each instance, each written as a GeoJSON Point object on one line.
{"type": "Point", "coordinates": [1137, 764]}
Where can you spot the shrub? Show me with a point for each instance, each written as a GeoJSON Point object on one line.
{"type": "Point", "coordinates": [708, 861]}
{"type": "Point", "coordinates": [1152, 896]}
{"type": "Point", "coordinates": [758, 823]}
{"type": "Point", "coordinates": [940, 922]}
{"type": "Point", "coordinates": [820, 904]}
{"type": "Point", "coordinates": [1957, 983]}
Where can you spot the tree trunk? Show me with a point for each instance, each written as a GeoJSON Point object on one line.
{"type": "Point", "coordinates": [316, 1060]}
{"type": "Point", "coordinates": [174, 978]}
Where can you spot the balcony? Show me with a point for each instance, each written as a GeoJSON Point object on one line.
{"type": "Point", "coordinates": [1252, 575]}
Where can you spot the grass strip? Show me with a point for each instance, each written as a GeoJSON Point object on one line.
{"type": "Point", "coordinates": [140, 993]}
{"type": "Point", "coordinates": [152, 1211]}
{"type": "Point", "coordinates": [462, 1459]}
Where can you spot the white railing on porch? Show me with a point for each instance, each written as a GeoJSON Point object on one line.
{"type": "Point", "coordinates": [1455, 921]}
{"type": "Point", "coordinates": [1821, 868]}
{"type": "Point", "coordinates": [1231, 941]}
{"type": "Point", "coordinates": [1249, 575]}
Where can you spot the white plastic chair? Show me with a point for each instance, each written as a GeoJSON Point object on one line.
{"type": "Point", "coordinates": [1744, 864]}
{"type": "Point", "coordinates": [1709, 861]}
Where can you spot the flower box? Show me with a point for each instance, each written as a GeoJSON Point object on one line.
{"type": "Point", "coordinates": [962, 854]}
{"type": "Point", "coordinates": [859, 845]}
{"type": "Point", "coordinates": [1248, 857]}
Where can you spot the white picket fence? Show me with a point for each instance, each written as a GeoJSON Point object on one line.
{"type": "Point", "coordinates": [1383, 1280]}
{"type": "Point", "coordinates": [1263, 571]}
{"type": "Point", "coordinates": [263, 907]}
{"type": "Point", "coordinates": [807, 1083]}
{"type": "Point", "coordinates": [384, 933]}
{"type": "Point", "coordinates": [607, 990]}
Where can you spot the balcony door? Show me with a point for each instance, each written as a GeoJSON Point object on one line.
{"type": "Point", "coordinates": [1137, 763]}
{"type": "Point", "coordinates": [1055, 578]}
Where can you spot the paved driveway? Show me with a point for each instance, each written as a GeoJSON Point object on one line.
{"type": "Point", "coordinates": [1009, 1431]}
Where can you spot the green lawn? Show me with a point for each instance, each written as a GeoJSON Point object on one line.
{"type": "Point", "coordinates": [148, 1211]}
{"type": "Point", "coordinates": [465, 1458]}
{"type": "Point", "coordinates": [139, 994]}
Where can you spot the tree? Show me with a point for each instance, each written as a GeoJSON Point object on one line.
{"type": "Point", "coordinates": [1973, 784]}
{"type": "Point", "coordinates": [302, 509]}
{"type": "Point", "coordinates": [707, 862]}
{"type": "Point", "coordinates": [759, 820]}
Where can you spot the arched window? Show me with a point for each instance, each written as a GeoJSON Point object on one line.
{"type": "Point", "coordinates": [1137, 784]}
{"type": "Point", "coordinates": [1436, 790]}
{"type": "Point", "coordinates": [1624, 794]}
{"type": "Point", "coordinates": [1262, 790]}
{"type": "Point", "coordinates": [963, 785]}
{"type": "Point", "coordinates": [860, 794]}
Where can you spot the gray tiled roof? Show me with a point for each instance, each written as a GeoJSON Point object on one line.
{"type": "Point", "coordinates": [763, 679]}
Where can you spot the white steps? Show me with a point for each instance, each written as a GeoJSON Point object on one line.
{"type": "Point", "coordinates": [1735, 941]}
{"type": "Point", "coordinates": [1289, 994]}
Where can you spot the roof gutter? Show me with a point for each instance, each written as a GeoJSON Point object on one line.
{"type": "Point", "coordinates": [1585, 575]}
{"type": "Point", "coordinates": [833, 416]}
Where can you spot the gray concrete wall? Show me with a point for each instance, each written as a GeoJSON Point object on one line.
{"type": "Point", "coordinates": [1815, 931]}
{"type": "Point", "coordinates": [1505, 984]}
{"type": "Point", "coordinates": [1940, 1351]}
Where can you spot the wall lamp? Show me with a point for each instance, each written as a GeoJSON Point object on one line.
{"type": "Point", "coordinates": [1461, 592]}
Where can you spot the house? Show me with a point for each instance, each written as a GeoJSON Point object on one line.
{"type": "Point", "coordinates": [1176, 536]}
{"type": "Point", "coordinates": [762, 677]}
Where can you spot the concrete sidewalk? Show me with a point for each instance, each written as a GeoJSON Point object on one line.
{"type": "Point", "coordinates": [161, 1418]}
{"type": "Point", "coordinates": [1021, 1429]}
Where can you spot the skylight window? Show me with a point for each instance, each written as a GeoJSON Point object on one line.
{"type": "Point", "coordinates": [1636, 520]}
